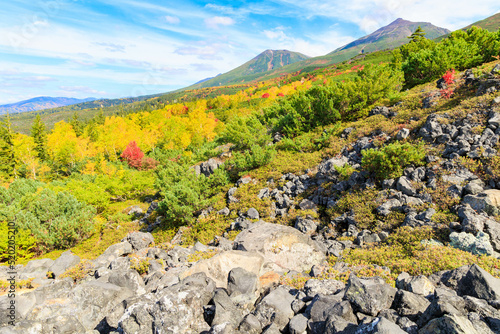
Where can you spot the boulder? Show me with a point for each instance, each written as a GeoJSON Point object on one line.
{"type": "Point", "coordinates": [298, 324]}
{"type": "Point", "coordinates": [409, 304]}
{"type": "Point", "coordinates": [369, 295]}
{"type": "Point", "coordinates": [305, 225]}
{"type": "Point", "coordinates": [89, 302]}
{"type": "Point", "coordinates": [479, 283]}
{"type": "Point", "coordinates": [241, 282]}
{"type": "Point", "coordinates": [177, 309]}
{"type": "Point", "coordinates": [283, 247]}
{"type": "Point", "coordinates": [275, 308]}
{"type": "Point", "coordinates": [449, 324]}
{"type": "Point", "coordinates": [219, 266]}
{"type": "Point", "coordinates": [129, 279]}
{"type": "Point", "coordinates": [139, 240]}
{"type": "Point", "coordinates": [64, 262]}
{"type": "Point", "coordinates": [111, 253]}
{"type": "Point", "coordinates": [404, 185]}
{"type": "Point", "coordinates": [225, 310]}
{"type": "Point", "coordinates": [36, 269]}
{"type": "Point", "coordinates": [479, 244]}
{"type": "Point", "coordinates": [487, 201]}
{"type": "Point", "coordinates": [325, 287]}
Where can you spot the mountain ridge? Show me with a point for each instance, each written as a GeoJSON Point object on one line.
{"type": "Point", "coordinates": [40, 103]}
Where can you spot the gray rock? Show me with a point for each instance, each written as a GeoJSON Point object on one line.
{"type": "Point", "coordinates": [419, 284]}
{"type": "Point", "coordinates": [335, 324]}
{"type": "Point", "coordinates": [405, 186]}
{"type": "Point", "coordinates": [306, 204]}
{"type": "Point", "coordinates": [380, 326]}
{"type": "Point", "coordinates": [241, 281]}
{"type": "Point", "coordinates": [426, 216]}
{"type": "Point", "coordinates": [139, 240]}
{"type": "Point", "coordinates": [250, 325]}
{"type": "Point", "coordinates": [224, 212]}
{"type": "Point", "coordinates": [445, 302]}
{"type": "Point", "coordinates": [473, 188]}
{"type": "Point", "coordinates": [487, 201]}
{"type": "Point", "coordinates": [305, 225]}
{"type": "Point", "coordinates": [403, 134]}
{"type": "Point", "coordinates": [480, 284]}
{"type": "Point", "coordinates": [176, 309]}
{"type": "Point", "coordinates": [64, 262]}
{"type": "Point", "coordinates": [282, 245]}
{"type": "Point", "coordinates": [369, 295]}
{"type": "Point", "coordinates": [264, 193]}
{"type": "Point", "coordinates": [225, 310]}
{"type": "Point", "coordinates": [449, 324]}
{"type": "Point", "coordinates": [325, 287]}
{"type": "Point", "coordinates": [298, 324]}
{"type": "Point", "coordinates": [386, 208]}
{"type": "Point", "coordinates": [410, 305]}
{"type": "Point", "coordinates": [207, 168]}
{"type": "Point", "coordinates": [129, 279]}
{"type": "Point", "coordinates": [319, 309]}
{"type": "Point", "coordinates": [252, 213]}
{"type": "Point", "coordinates": [479, 244]}
{"type": "Point", "coordinates": [275, 308]}
{"type": "Point", "coordinates": [36, 269]}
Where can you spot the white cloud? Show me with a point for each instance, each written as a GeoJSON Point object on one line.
{"type": "Point", "coordinates": [372, 14]}
{"type": "Point", "coordinates": [80, 89]}
{"type": "Point", "coordinates": [214, 22]}
{"type": "Point", "coordinates": [172, 19]}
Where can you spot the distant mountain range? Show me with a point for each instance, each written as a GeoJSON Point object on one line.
{"type": "Point", "coordinates": [40, 103]}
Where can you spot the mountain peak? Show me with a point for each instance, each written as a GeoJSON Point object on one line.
{"type": "Point", "coordinates": [389, 37]}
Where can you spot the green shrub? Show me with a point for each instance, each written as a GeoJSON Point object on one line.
{"type": "Point", "coordinates": [245, 131]}
{"type": "Point", "coordinates": [424, 61]}
{"type": "Point", "coordinates": [389, 161]}
{"type": "Point", "coordinates": [56, 220]}
{"type": "Point", "coordinates": [345, 171]}
{"type": "Point", "coordinates": [325, 105]}
{"type": "Point", "coordinates": [184, 193]}
{"type": "Point", "coordinates": [25, 243]}
{"type": "Point", "coordinates": [255, 157]}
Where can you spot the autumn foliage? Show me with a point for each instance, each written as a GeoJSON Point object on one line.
{"type": "Point", "coordinates": [133, 155]}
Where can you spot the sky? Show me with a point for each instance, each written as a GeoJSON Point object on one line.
{"type": "Point", "coordinates": [123, 48]}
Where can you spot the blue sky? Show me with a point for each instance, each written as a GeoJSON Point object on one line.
{"type": "Point", "coordinates": [119, 48]}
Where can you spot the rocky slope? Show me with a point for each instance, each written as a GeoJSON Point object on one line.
{"type": "Point", "coordinates": [237, 286]}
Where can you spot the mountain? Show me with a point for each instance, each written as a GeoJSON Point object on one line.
{"type": "Point", "coordinates": [268, 60]}
{"type": "Point", "coordinates": [272, 63]}
{"type": "Point", "coordinates": [389, 37]}
{"type": "Point", "coordinates": [39, 103]}
{"type": "Point", "coordinates": [491, 23]}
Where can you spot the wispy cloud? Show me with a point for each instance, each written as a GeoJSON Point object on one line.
{"type": "Point", "coordinates": [112, 47]}
{"type": "Point", "coordinates": [172, 19]}
{"type": "Point", "coordinates": [216, 21]}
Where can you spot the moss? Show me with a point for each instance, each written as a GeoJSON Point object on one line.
{"type": "Point", "coordinates": [287, 162]}
{"type": "Point", "coordinates": [201, 256]}
{"type": "Point", "coordinates": [79, 271]}
{"type": "Point", "coordinates": [362, 203]}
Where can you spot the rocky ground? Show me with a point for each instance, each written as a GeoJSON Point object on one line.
{"type": "Point", "coordinates": [236, 286]}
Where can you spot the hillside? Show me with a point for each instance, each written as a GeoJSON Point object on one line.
{"type": "Point", "coordinates": [268, 60]}
{"type": "Point", "coordinates": [40, 103]}
{"type": "Point", "coordinates": [491, 23]}
{"type": "Point", "coordinates": [332, 202]}
{"type": "Point", "coordinates": [389, 37]}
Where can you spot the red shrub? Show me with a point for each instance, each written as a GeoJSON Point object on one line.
{"type": "Point", "coordinates": [133, 155]}
{"type": "Point", "coordinates": [449, 77]}
{"type": "Point", "coordinates": [265, 95]}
